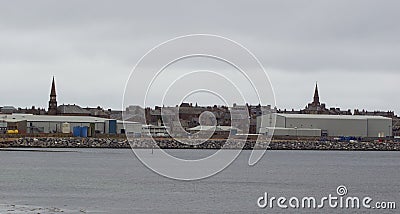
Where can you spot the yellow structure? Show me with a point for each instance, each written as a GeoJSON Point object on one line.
{"type": "Point", "coordinates": [12, 131]}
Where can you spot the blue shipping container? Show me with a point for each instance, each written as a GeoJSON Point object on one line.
{"type": "Point", "coordinates": [84, 131]}
{"type": "Point", "coordinates": [112, 127]}
{"type": "Point", "coordinates": [77, 131]}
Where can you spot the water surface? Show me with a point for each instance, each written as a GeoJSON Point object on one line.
{"type": "Point", "coordinates": [115, 181]}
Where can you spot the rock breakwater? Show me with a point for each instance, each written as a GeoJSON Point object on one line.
{"type": "Point", "coordinates": [209, 144]}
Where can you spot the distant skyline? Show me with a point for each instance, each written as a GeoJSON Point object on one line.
{"type": "Point", "coordinates": [350, 47]}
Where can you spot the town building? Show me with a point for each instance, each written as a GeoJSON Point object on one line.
{"type": "Point", "coordinates": [8, 110]}
{"type": "Point", "coordinates": [72, 110]}
{"type": "Point", "coordinates": [98, 112]}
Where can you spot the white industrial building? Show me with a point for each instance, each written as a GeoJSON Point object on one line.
{"type": "Point", "coordinates": [65, 124]}
{"type": "Point", "coordinates": [324, 125]}
{"type": "Point", "coordinates": [156, 131]}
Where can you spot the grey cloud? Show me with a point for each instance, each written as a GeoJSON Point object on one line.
{"type": "Point", "coordinates": [91, 46]}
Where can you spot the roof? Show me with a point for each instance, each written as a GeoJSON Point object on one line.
{"type": "Point", "coordinates": [97, 112]}
{"type": "Point", "coordinates": [211, 128]}
{"type": "Point", "coordinates": [50, 118]}
{"type": "Point", "coordinates": [11, 120]}
{"type": "Point", "coordinates": [9, 107]}
{"type": "Point", "coordinates": [325, 116]}
{"type": "Point", "coordinates": [72, 109]}
{"type": "Point", "coordinates": [298, 129]}
{"type": "Point", "coordinates": [154, 126]}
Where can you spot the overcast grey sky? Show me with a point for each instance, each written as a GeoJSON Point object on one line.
{"type": "Point", "coordinates": [351, 48]}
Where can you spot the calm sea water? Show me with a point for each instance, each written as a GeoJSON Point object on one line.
{"type": "Point", "coordinates": [115, 181]}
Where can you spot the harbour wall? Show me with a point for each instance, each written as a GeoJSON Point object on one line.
{"type": "Point", "coordinates": [141, 143]}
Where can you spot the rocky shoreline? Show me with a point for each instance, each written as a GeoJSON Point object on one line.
{"type": "Point", "coordinates": [209, 144]}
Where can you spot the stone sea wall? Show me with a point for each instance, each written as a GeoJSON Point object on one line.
{"type": "Point", "coordinates": [210, 144]}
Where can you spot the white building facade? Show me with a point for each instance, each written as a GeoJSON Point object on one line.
{"type": "Point", "coordinates": [325, 125]}
{"type": "Point", "coordinates": [59, 124]}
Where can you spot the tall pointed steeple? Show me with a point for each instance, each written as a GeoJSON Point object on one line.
{"type": "Point", "coordinates": [53, 99]}
{"type": "Point", "coordinates": [316, 95]}
{"type": "Point", "coordinates": [53, 88]}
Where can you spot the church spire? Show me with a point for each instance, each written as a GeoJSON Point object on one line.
{"type": "Point", "coordinates": [53, 88]}
{"type": "Point", "coordinates": [53, 99]}
{"type": "Point", "coordinates": [316, 95]}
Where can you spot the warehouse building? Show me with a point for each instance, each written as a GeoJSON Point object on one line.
{"type": "Point", "coordinates": [28, 123]}
{"type": "Point", "coordinates": [324, 125]}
